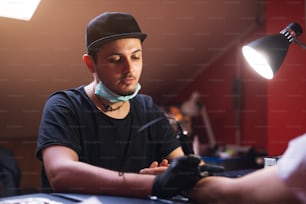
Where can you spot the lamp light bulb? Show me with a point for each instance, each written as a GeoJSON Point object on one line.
{"type": "Point", "coordinates": [258, 62]}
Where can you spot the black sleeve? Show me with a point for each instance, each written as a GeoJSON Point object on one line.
{"type": "Point", "coordinates": [58, 124]}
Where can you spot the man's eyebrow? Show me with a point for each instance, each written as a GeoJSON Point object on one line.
{"type": "Point", "coordinates": [118, 53]}
{"type": "Point", "coordinates": [138, 50]}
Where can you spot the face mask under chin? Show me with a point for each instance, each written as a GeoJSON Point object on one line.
{"type": "Point", "coordinates": [103, 92]}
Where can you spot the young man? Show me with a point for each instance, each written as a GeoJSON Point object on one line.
{"type": "Point", "coordinates": [104, 137]}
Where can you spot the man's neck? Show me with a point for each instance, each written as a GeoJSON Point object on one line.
{"type": "Point", "coordinates": [116, 110]}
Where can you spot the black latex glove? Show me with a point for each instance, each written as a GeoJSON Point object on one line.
{"type": "Point", "coordinates": [181, 175]}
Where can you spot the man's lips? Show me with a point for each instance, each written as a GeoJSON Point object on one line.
{"type": "Point", "coordinates": [128, 80]}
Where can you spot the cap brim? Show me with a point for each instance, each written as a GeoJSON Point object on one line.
{"type": "Point", "coordinates": [97, 43]}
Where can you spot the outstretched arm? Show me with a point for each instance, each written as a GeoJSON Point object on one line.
{"type": "Point", "coordinates": [262, 186]}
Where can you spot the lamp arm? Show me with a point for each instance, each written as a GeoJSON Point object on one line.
{"type": "Point", "coordinates": [300, 43]}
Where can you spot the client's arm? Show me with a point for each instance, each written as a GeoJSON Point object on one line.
{"type": "Point", "coordinates": [262, 186]}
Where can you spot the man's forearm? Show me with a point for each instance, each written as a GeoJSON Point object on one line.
{"type": "Point", "coordinates": [80, 177]}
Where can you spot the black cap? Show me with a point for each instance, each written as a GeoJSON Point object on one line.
{"type": "Point", "coordinates": [111, 26]}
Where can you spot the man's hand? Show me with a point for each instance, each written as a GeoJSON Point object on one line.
{"type": "Point", "coordinates": [180, 176]}
{"type": "Point", "coordinates": [156, 169]}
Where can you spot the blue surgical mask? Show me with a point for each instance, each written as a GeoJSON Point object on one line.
{"type": "Point", "coordinates": [112, 97]}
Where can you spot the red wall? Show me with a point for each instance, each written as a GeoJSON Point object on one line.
{"type": "Point", "coordinates": [220, 97]}
{"type": "Point", "coordinates": [271, 112]}
{"type": "Point", "coordinates": [287, 90]}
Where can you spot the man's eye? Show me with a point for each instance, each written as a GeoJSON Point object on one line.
{"type": "Point", "coordinates": [115, 60]}
{"type": "Point", "coordinates": [136, 57]}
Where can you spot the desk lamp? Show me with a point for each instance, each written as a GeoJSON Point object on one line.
{"type": "Point", "coordinates": [265, 55]}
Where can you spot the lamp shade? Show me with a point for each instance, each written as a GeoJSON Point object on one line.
{"type": "Point", "coordinates": [265, 55]}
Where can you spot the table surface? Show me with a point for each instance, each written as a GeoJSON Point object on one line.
{"type": "Point", "coordinates": [59, 198]}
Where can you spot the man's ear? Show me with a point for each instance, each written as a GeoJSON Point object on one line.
{"type": "Point", "coordinates": [89, 62]}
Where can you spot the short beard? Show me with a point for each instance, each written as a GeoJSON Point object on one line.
{"type": "Point", "coordinates": [128, 93]}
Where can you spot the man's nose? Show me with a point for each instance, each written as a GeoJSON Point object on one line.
{"type": "Point", "coordinates": [128, 66]}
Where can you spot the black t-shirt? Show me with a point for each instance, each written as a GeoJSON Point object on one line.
{"type": "Point", "coordinates": [71, 119]}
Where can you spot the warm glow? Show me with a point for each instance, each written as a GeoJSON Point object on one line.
{"type": "Point", "coordinates": [258, 62]}
{"type": "Point", "coordinates": [18, 9]}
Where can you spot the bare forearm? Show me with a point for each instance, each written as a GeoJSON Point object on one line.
{"type": "Point", "coordinates": [263, 186]}
{"type": "Point", "coordinates": [83, 178]}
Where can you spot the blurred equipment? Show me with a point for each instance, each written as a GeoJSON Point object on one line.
{"type": "Point", "coordinates": [193, 107]}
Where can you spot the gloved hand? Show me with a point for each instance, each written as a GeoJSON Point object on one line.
{"type": "Point", "coordinates": [181, 175]}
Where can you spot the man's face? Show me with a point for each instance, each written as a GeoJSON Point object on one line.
{"type": "Point", "coordinates": [119, 65]}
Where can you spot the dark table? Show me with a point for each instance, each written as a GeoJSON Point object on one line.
{"type": "Point", "coordinates": [60, 198]}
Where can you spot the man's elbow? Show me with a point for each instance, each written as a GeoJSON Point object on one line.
{"type": "Point", "coordinates": [57, 182]}
{"type": "Point", "coordinates": [60, 180]}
